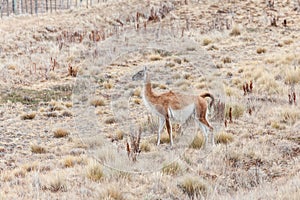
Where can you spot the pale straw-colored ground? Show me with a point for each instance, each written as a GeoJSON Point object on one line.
{"type": "Point", "coordinates": [58, 136]}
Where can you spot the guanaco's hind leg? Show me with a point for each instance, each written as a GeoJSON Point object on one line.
{"type": "Point", "coordinates": [162, 122]}
{"type": "Point", "coordinates": [200, 117]}
{"type": "Point", "coordinates": [203, 128]}
{"type": "Point", "coordinates": [169, 129]}
{"type": "Point", "coordinates": [201, 113]}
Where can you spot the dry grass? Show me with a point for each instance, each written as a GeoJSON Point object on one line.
{"type": "Point", "coordinates": [262, 161]}
{"type": "Point", "coordinates": [223, 138]}
{"type": "Point", "coordinates": [55, 183]}
{"type": "Point", "coordinates": [38, 149]}
{"type": "Point", "coordinates": [206, 41]}
{"type": "Point", "coordinates": [60, 132]}
{"type": "Point", "coordinates": [288, 41]}
{"type": "Point", "coordinates": [292, 76]}
{"type": "Point", "coordinates": [97, 102]}
{"type": "Point", "coordinates": [30, 166]}
{"type": "Point", "coordinates": [19, 172]}
{"type": "Point", "coordinates": [172, 168]}
{"type": "Point", "coordinates": [165, 139]}
{"type": "Point", "coordinates": [226, 60]}
{"type": "Point", "coordinates": [155, 57]}
{"type": "Point", "coordinates": [108, 85]}
{"type": "Point", "coordinates": [268, 85]}
{"type": "Point", "coordinates": [120, 134]}
{"type": "Point", "coordinates": [89, 142]}
{"type": "Point", "coordinates": [261, 50]}
{"type": "Point", "coordinates": [70, 161]}
{"type": "Point", "coordinates": [163, 87]}
{"type": "Point", "coordinates": [187, 76]}
{"type": "Point", "coordinates": [137, 101]}
{"type": "Point", "coordinates": [28, 116]}
{"type": "Point", "coordinates": [237, 110]}
{"type": "Point", "coordinates": [197, 142]}
{"type": "Point", "coordinates": [231, 92]}
{"type": "Point", "coordinates": [94, 171]}
{"type": "Point", "coordinates": [290, 116]}
{"type": "Point", "coordinates": [110, 120]}
{"type": "Point", "coordinates": [137, 92]}
{"type": "Point", "coordinates": [277, 125]}
{"type": "Point", "coordinates": [177, 60]}
{"type": "Point", "coordinates": [176, 76]}
{"type": "Point", "coordinates": [236, 31]}
{"type": "Point", "coordinates": [193, 187]}
{"type": "Point", "coordinates": [112, 193]}
{"type": "Point", "coordinates": [145, 146]}
{"type": "Point", "coordinates": [201, 85]}
{"type": "Point", "coordinates": [68, 104]}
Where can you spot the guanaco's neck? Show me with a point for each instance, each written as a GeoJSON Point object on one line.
{"type": "Point", "coordinates": [148, 92]}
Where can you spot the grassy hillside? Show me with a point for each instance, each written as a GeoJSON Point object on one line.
{"type": "Point", "coordinates": [69, 104]}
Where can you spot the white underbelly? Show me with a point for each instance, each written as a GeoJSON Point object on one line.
{"type": "Point", "coordinates": [183, 114]}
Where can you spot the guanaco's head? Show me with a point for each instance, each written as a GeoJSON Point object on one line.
{"type": "Point", "coordinates": [141, 75]}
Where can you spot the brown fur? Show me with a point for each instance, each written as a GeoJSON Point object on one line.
{"type": "Point", "coordinates": [176, 101]}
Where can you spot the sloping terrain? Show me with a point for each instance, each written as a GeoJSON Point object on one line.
{"type": "Point", "coordinates": [69, 104]}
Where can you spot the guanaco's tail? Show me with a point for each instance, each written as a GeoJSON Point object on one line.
{"type": "Point", "coordinates": [208, 95]}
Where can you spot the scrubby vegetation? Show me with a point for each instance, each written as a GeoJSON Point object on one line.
{"type": "Point", "coordinates": [69, 102]}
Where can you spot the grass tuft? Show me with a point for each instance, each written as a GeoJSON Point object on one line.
{"type": "Point", "coordinates": [206, 41]}
{"type": "Point", "coordinates": [193, 187]}
{"type": "Point", "coordinates": [137, 101]}
{"type": "Point", "coordinates": [261, 50]}
{"type": "Point", "coordinates": [28, 116]}
{"type": "Point", "coordinates": [59, 133]}
{"type": "Point", "coordinates": [164, 139]}
{"type": "Point", "coordinates": [56, 183]}
{"type": "Point", "coordinates": [69, 161]}
{"type": "Point", "coordinates": [110, 120]}
{"type": "Point", "coordinates": [97, 102]}
{"type": "Point", "coordinates": [171, 169]}
{"type": "Point", "coordinates": [223, 138]}
{"type": "Point", "coordinates": [237, 110]}
{"type": "Point", "coordinates": [226, 60]}
{"type": "Point", "coordinates": [37, 149]}
{"type": "Point", "coordinates": [290, 116]}
{"type": "Point", "coordinates": [119, 134]}
{"type": "Point", "coordinates": [108, 85]}
{"type": "Point", "coordinates": [292, 77]}
{"type": "Point", "coordinates": [197, 142]}
{"type": "Point", "coordinates": [155, 57]}
{"type": "Point", "coordinates": [94, 171]}
{"type": "Point", "coordinates": [137, 92]}
{"type": "Point", "coordinates": [145, 146]}
{"type": "Point", "coordinates": [236, 31]}
{"type": "Point", "coordinates": [112, 193]}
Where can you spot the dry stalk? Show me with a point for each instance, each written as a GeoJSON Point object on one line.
{"type": "Point", "coordinates": [133, 147]}
{"type": "Point", "coordinates": [230, 115]}
{"type": "Point", "coordinates": [72, 71]}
